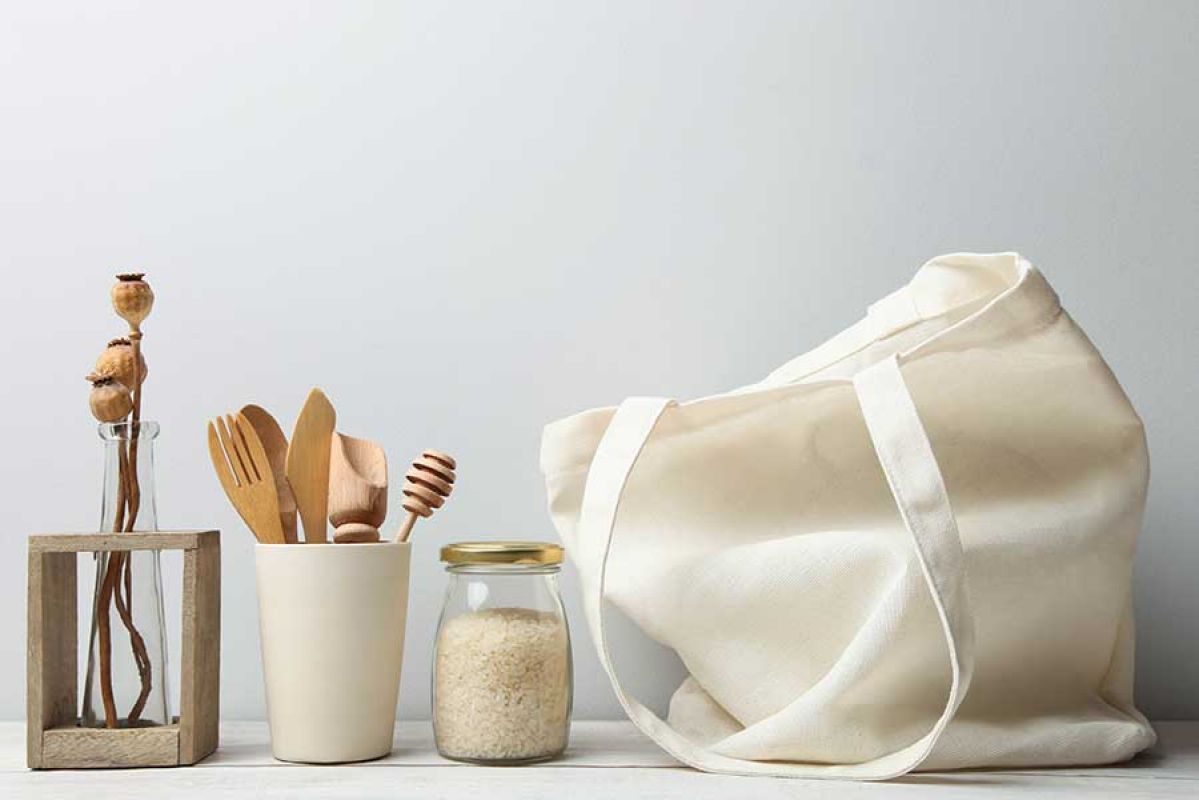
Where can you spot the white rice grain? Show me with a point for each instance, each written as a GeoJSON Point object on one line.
{"type": "Point", "coordinates": [502, 688]}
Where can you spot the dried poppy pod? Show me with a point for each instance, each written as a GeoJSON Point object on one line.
{"type": "Point", "coordinates": [132, 299]}
{"type": "Point", "coordinates": [426, 486]}
{"type": "Point", "coordinates": [117, 361]}
{"type": "Point", "coordinates": [110, 400]}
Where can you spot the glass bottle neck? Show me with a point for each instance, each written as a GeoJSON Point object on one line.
{"type": "Point", "coordinates": [128, 502]}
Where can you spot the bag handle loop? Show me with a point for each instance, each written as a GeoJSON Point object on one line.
{"type": "Point", "coordinates": [906, 457]}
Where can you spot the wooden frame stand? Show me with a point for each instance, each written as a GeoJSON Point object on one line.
{"type": "Point", "coordinates": [54, 738]}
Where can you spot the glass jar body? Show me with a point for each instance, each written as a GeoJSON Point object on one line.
{"type": "Point", "coordinates": [126, 683]}
{"type": "Point", "coordinates": [502, 671]}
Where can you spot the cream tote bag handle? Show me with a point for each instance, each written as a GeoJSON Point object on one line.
{"type": "Point", "coordinates": [907, 459]}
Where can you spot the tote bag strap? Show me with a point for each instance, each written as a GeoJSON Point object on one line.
{"type": "Point", "coordinates": [907, 460]}
{"type": "Point", "coordinates": [884, 318]}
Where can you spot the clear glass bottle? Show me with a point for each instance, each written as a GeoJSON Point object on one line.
{"type": "Point", "coordinates": [127, 605]}
{"type": "Point", "coordinates": [502, 672]}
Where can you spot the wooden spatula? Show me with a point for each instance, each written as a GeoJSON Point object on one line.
{"type": "Point", "coordinates": [308, 463]}
{"type": "Point", "coordinates": [275, 443]}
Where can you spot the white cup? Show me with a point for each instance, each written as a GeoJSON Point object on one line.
{"type": "Point", "coordinates": [332, 619]}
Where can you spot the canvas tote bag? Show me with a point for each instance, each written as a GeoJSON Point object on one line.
{"type": "Point", "coordinates": [909, 548]}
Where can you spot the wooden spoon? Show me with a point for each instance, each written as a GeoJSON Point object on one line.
{"type": "Point", "coordinates": [275, 444]}
{"type": "Point", "coordinates": [308, 463]}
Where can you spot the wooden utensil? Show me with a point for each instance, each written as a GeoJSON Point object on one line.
{"type": "Point", "coordinates": [275, 443]}
{"type": "Point", "coordinates": [426, 486]}
{"type": "Point", "coordinates": [244, 471]}
{"type": "Point", "coordinates": [307, 464]}
{"type": "Point", "coordinates": [357, 489]}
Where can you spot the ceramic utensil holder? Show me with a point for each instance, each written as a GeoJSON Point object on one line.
{"type": "Point", "coordinates": [55, 739]}
{"type": "Point", "coordinates": [332, 619]}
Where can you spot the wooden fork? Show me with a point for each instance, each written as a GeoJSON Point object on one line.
{"type": "Point", "coordinates": [245, 473]}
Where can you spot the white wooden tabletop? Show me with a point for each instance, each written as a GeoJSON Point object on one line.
{"type": "Point", "coordinates": [605, 759]}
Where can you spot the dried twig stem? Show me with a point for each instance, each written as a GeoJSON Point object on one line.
{"type": "Point", "coordinates": [118, 578]}
{"type": "Point", "coordinates": [104, 596]}
{"type": "Point", "coordinates": [144, 668]}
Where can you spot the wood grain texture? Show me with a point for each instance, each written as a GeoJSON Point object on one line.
{"type": "Point", "coordinates": [108, 542]}
{"type": "Point", "coordinates": [72, 747]}
{"type": "Point", "coordinates": [308, 463]}
{"type": "Point", "coordinates": [200, 669]}
{"type": "Point", "coordinates": [54, 739]}
{"type": "Point", "coordinates": [52, 647]}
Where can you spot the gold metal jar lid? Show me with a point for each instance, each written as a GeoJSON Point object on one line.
{"type": "Point", "coordinates": [502, 553]}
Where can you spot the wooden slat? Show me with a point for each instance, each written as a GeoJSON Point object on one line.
{"type": "Point", "coordinates": [51, 648]}
{"type": "Point", "coordinates": [53, 739]}
{"type": "Point", "coordinates": [104, 542]}
{"type": "Point", "coordinates": [201, 659]}
{"type": "Point", "coordinates": [84, 748]}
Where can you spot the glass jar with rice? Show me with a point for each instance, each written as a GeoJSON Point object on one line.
{"type": "Point", "coordinates": [502, 665]}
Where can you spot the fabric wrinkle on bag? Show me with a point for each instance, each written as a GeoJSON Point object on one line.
{"type": "Point", "coordinates": [909, 548]}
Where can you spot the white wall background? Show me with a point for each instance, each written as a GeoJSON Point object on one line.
{"type": "Point", "coordinates": [464, 220]}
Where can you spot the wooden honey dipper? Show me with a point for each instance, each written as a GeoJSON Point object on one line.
{"type": "Point", "coordinates": [426, 486]}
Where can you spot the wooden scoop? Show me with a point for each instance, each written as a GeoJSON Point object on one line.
{"type": "Point", "coordinates": [357, 489]}
{"type": "Point", "coordinates": [426, 486]}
